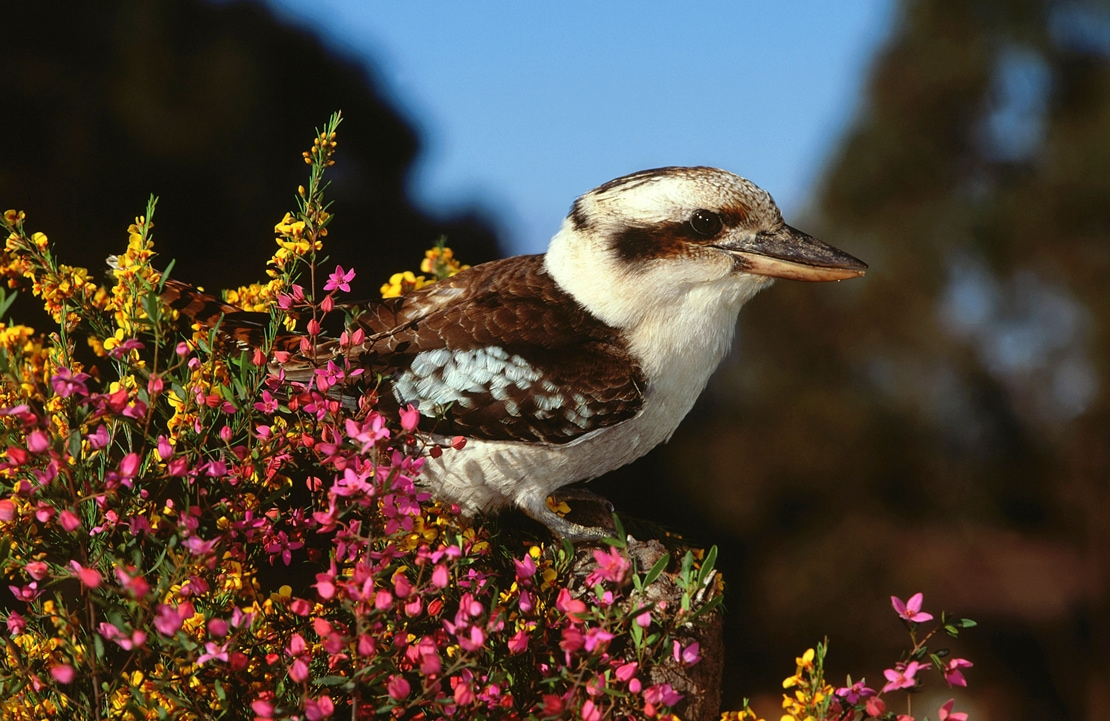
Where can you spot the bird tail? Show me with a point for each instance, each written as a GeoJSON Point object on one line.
{"type": "Point", "coordinates": [247, 328]}
{"type": "Point", "coordinates": [295, 360]}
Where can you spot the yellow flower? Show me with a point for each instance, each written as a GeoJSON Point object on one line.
{"type": "Point", "coordinates": [560, 507]}
{"type": "Point", "coordinates": [441, 263]}
{"type": "Point", "coordinates": [14, 218]}
{"type": "Point", "coordinates": [401, 283]}
{"type": "Point", "coordinates": [289, 227]}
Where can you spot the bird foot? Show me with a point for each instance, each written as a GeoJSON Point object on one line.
{"type": "Point", "coordinates": [561, 527]}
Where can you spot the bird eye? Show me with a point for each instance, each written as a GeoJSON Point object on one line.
{"type": "Point", "coordinates": [705, 222]}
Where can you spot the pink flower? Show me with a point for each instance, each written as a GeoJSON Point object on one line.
{"type": "Point", "coordinates": [626, 671]}
{"type": "Point", "coordinates": [597, 638]}
{"type": "Point", "coordinates": [430, 662]}
{"type": "Point", "coordinates": [89, 577]}
{"type": "Point", "coordinates": [875, 706]}
{"type": "Point", "coordinates": [340, 279]}
{"type": "Point", "coordinates": [298, 670]}
{"type": "Point", "coordinates": [659, 694]}
{"type": "Point", "coordinates": [945, 712]}
{"type": "Point", "coordinates": [410, 417]}
{"type": "Point", "coordinates": [263, 707]}
{"type": "Point", "coordinates": [901, 676]}
{"type": "Point", "coordinates": [36, 570]}
{"type": "Point", "coordinates": [572, 641]}
{"type": "Point", "coordinates": [397, 687]}
{"type": "Point", "coordinates": [687, 656]}
{"type": "Point", "coordinates": [440, 577]}
{"type": "Point", "coordinates": [69, 520]}
{"type": "Point", "coordinates": [168, 619]}
{"type": "Point", "coordinates": [268, 404]}
{"type": "Point", "coordinates": [572, 607]}
{"type": "Point", "coordinates": [952, 674]}
{"type": "Point", "coordinates": [518, 642]}
{"type": "Point", "coordinates": [100, 437]}
{"type": "Point", "coordinates": [852, 694]}
{"type": "Point", "coordinates": [133, 583]}
{"type": "Point", "coordinates": [38, 442]}
{"type": "Point", "coordinates": [590, 712]}
{"type": "Point", "coordinates": [63, 673]}
{"type": "Point", "coordinates": [911, 609]}
{"type": "Point", "coordinates": [16, 623]}
{"type": "Point", "coordinates": [525, 569]}
{"type": "Point", "coordinates": [26, 593]}
{"type": "Point", "coordinates": [213, 652]}
{"type": "Point", "coordinates": [611, 566]}
{"type": "Point", "coordinates": [129, 466]}
{"type": "Point", "coordinates": [7, 509]}
{"type": "Point", "coordinates": [319, 708]}
{"type": "Point", "coordinates": [66, 383]}
{"type": "Point", "coordinates": [112, 633]}
{"type": "Point", "coordinates": [402, 586]}
{"type": "Point", "coordinates": [464, 692]}
{"type": "Point", "coordinates": [369, 432]}
{"type": "Point", "coordinates": [474, 641]}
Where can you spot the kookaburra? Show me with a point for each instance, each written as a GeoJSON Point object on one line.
{"type": "Point", "coordinates": [560, 367]}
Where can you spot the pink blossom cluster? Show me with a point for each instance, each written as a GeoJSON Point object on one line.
{"type": "Point", "coordinates": [222, 523]}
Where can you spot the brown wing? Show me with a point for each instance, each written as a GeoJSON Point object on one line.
{"type": "Point", "coordinates": [499, 352]}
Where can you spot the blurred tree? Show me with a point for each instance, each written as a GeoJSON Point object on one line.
{"type": "Point", "coordinates": [207, 106]}
{"type": "Point", "coordinates": [942, 425]}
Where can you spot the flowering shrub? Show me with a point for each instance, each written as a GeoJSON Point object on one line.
{"type": "Point", "coordinates": [809, 697]}
{"type": "Point", "coordinates": [186, 533]}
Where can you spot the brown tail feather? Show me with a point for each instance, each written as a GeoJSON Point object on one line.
{"type": "Point", "coordinates": [245, 327]}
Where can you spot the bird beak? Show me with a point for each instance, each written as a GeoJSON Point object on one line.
{"type": "Point", "coordinates": [790, 253]}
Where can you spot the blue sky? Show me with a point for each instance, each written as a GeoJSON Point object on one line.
{"type": "Point", "coordinates": [522, 106]}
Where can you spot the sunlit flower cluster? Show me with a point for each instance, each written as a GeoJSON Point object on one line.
{"type": "Point", "coordinates": [439, 263]}
{"type": "Point", "coordinates": [62, 288]}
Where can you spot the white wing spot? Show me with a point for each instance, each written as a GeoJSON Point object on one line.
{"type": "Point", "coordinates": [438, 378]}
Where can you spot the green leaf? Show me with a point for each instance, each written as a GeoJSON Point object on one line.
{"type": "Point", "coordinates": [6, 300]}
{"type": "Point", "coordinates": [687, 568]}
{"type": "Point", "coordinates": [166, 275]}
{"type": "Point", "coordinates": [657, 569]}
{"type": "Point", "coordinates": [637, 634]}
{"type": "Point", "coordinates": [73, 443]}
{"type": "Point", "coordinates": [707, 565]}
{"type": "Point", "coordinates": [619, 537]}
{"type": "Point", "coordinates": [708, 606]}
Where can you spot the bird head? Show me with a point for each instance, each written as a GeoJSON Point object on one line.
{"type": "Point", "coordinates": [682, 234]}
